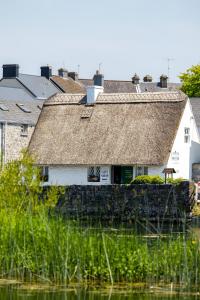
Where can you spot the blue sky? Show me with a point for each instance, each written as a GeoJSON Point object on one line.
{"type": "Point", "coordinates": [124, 36]}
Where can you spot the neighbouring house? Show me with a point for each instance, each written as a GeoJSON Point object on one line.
{"type": "Point", "coordinates": [103, 138]}
{"type": "Point", "coordinates": [195, 103]}
{"type": "Point", "coordinates": [17, 122]}
{"type": "Point", "coordinates": [131, 86]}
{"type": "Point", "coordinates": [26, 86]}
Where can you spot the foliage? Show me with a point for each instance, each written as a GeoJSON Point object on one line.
{"type": "Point", "coordinates": [21, 187]}
{"type": "Point", "coordinates": [150, 179]}
{"type": "Point", "coordinates": [36, 247]}
{"type": "Point", "coordinates": [191, 81]}
{"type": "Point", "coordinates": [175, 181]}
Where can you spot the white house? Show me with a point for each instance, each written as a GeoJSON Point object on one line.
{"type": "Point", "coordinates": [103, 138]}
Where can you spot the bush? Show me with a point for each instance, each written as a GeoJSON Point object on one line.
{"type": "Point", "coordinates": [175, 181]}
{"type": "Point", "coordinates": [150, 179]}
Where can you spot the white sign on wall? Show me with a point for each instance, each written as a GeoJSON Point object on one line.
{"type": "Point", "coordinates": [105, 178]}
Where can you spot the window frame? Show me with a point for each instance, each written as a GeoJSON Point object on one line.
{"type": "Point", "coordinates": [144, 169]}
{"type": "Point", "coordinates": [186, 135]}
{"type": "Point", "coordinates": [44, 173]}
{"type": "Point", "coordinates": [24, 129]}
{"type": "Point", "coordinates": [94, 174]}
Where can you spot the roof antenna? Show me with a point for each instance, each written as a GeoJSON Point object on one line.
{"type": "Point", "coordinates": [78, 69]}
{"type": "Point", "coordinates": [169, 60]}
{"type": "Point", "coordinates": [100, 64]}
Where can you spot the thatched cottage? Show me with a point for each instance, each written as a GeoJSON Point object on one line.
{"type": "Point", "coordinates": [102, 138]}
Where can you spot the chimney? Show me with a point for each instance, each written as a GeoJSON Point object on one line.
{"type": "Point", "coordinates": [73, 75]}
{"type": "Point", "coordinates": [46, 71]}
{"type": "Point", "coordinates": [135, 79]}
{"type": "Point", "coordinates": [63, 73]}
{"type": "Point", "coordinates": [93, 92]}
{"type": "Point", "coordinates": [10, 71]}
{"type": "Point", "coordinates": [163, 81]}
{"type": "Point", "coordinates": [98, 79]}
{"type": "Point", "coordinates": [147, 78]}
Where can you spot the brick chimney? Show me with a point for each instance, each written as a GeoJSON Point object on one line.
{"type": "Point", "coordinates": [46, 71]}
{"type": "Point", "coordinates": [163, 81]}
{"type": "Point", "coordinates": [63, 73]}
{"type": "Point", "coordinates": [135, 79]}
{"type": "Point", "coordinates": [98, 79]}
{"type": "Point", "coordinates": [73, 75]}
{"type": "Point", "coordinates": [147, 78]}
{"type": "Point", "coordinates": [93, 92]}
{"type": "Point", "coordinates": [10, 71]}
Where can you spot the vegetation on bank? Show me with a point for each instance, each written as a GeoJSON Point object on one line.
{"type": "Point", "coordinates": [36, 244]}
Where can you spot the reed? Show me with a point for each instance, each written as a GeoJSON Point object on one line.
{"type": "Point", "coordinates": [38, 247]}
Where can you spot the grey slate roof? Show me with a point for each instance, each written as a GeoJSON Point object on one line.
{"type": "Point", "coordinates": [40, 86]}
{"type": "Point", "coordinates": [11, 93]}
{"type": "Point", "coordinates": [37, 86]}
{"type": "Point", "coordinates": [113, 86]}
{"type": "Point", "coordinates": [13, 114]}
{"type": "Point", "coordinates": [155, 87]}
{"type": "Point", "coordinates": [195, 103]}
{"type": "Point", "coordinates": [121, 86]}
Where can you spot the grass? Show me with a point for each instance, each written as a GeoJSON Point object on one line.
{"type": "Point", "coordinates": [42, 248]}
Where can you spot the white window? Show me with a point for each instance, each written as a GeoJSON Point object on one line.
{"type": "Point", "coordinates": [45, 174]}
{"type": "Point", "coordinates": [186, 135]}
{"type": "Point", "coordinates": [141, 170]}
{"type": "Point", "coordinates": [94, 174]}
{"type": "Point", "coordinates": [24, 129]}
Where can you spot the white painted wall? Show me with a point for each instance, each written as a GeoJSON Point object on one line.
{"type": "Point", "coordinates": [188, 153]}
{"type": "Point", "coordinates": [70, 175]}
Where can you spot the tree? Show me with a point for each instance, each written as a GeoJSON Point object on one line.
{"type": "Point", "coordinates": [191, 81]}
{"type": "Point", "coordinates": [21, 187]}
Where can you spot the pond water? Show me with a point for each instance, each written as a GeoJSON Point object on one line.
{"type": "Point", "coordinates": [20, 294]}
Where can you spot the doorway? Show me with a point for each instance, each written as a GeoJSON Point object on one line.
{"type": "Point", "coordinates": [122, 174]}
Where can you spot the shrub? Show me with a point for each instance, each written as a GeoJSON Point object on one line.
{"type": "Point", "coordinates": [150, 179]}
{"type": "Point", "coordinates": [175, 181]}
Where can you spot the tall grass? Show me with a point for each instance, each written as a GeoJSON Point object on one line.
{"type": "Point", "coordinates": [39, 247]}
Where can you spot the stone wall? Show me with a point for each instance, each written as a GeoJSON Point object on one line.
{"type": "Point", "coordinates": [15, 141]}
{"type": "Point", "coordinates": [128, 202]}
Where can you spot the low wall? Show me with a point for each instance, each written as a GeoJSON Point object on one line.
{"type": "Point", "coordinates": [124, 202]}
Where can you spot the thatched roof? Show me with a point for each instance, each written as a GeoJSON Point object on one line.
{"type": "Point", "coordinates": [68, 85]}
{"type": "Point", "coordinates": [120, 129]}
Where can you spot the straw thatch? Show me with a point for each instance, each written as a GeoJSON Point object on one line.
{"type": "Point", "coordinates": [122, 129]}
{"type": "Point", "coordinates": [68, 85]}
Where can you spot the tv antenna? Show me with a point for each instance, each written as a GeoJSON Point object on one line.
{"type": "Point", "coordinates": [78, 67]}
{"type": "Point", "coordinates": [169, 60]}
{"type": "Point", "coordinates": [100, 65]}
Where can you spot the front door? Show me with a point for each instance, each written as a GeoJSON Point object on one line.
{"type": "Point", "coordinates": [122, 174]}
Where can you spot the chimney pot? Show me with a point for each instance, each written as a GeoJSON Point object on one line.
{"type": "Point", "coordinates": [46, 71]}
{"type": "Point", "coordinates": [135, 79]}
{"type": "Point", "coordinates": [63, 73]}
{"type": "Point", "coordinates": [147, 78]}
{"type": "Point", "coordinates": [93, 92]}
{"type": "Point", "coordinates": [73, 75]}
{"type": "Point", "coordinates": [10, 71]}
{"type": "Point", "coordinates": [98, 79]}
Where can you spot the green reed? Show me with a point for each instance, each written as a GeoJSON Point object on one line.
{"type": "Point", "coordinates": [39, 247]}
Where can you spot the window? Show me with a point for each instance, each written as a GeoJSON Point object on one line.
{"type": "Point", "coordinates": [141, 170]}
{"type": "Point", "coordinates": [44, 174]}
{"type": "Point", "coordinates": [186, 135]}
{"type": "Point", "coordinates": [3, 107]}
{"type": "Point", "coordinates": [24, 129]}
{"type": "Point", "coordinates": [94, 174]}
{"type": "Point", "coordinates": [23, 108]}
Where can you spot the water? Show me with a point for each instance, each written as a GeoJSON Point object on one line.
{"type": "Point", "coordinates": [12, 293]}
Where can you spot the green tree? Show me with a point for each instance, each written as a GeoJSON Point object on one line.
{"type": "Point", "coordinates": [21, 187]}
{"type": "Point", "coordinates": [191, 81]}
